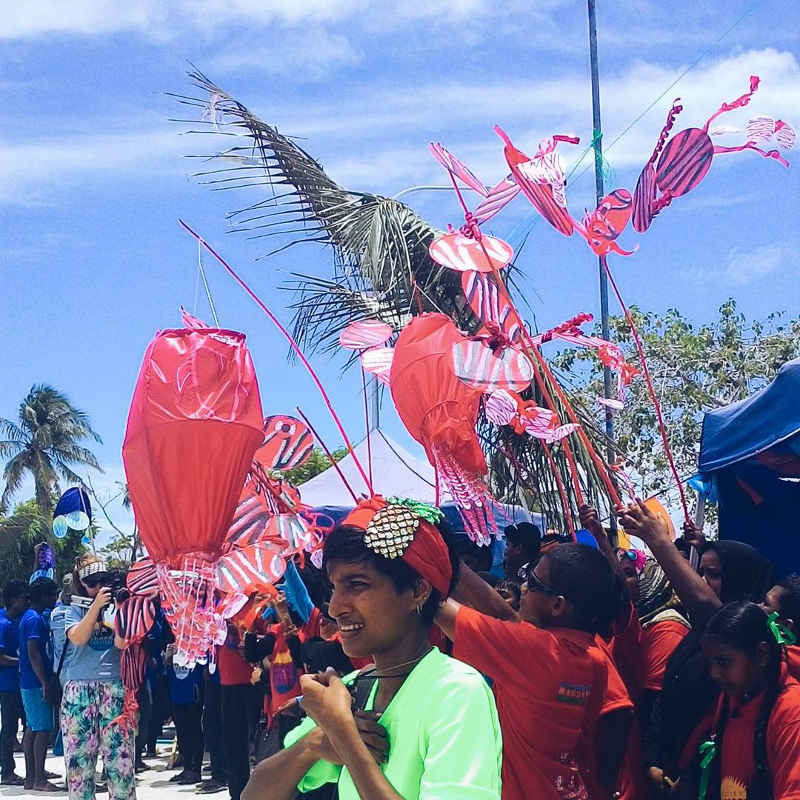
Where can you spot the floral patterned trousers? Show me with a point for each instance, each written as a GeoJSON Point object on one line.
{"type": "Point", "coordinates": [87, 709]}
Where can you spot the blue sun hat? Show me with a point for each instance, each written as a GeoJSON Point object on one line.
{"type": "Point", "coordinates": [73, 512]}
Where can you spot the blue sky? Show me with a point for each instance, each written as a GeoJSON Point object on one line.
{"type": "Point", "coordinates": [93, 175]}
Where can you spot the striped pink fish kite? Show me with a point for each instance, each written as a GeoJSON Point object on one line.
{"type": "Point", "coordinates": [678, 164]}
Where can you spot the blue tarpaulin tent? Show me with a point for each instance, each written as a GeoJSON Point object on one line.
{"type": "Point", "coordinates": [750, 455]}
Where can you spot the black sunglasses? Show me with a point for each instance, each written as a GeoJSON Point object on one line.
{"type": "Point", "coordinates": [526, 573]}
{"type": "Point", "coordinates": [91, 581]}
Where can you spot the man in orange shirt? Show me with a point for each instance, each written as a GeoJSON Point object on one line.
{"type": "Point", "coordinates": [552, 684]}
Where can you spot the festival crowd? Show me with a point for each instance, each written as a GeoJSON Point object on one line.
{"type": "Point", "coordinates": [407, 667]}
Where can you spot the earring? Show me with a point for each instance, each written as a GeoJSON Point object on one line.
{"type": "Point", "coordinates": [419, 608]}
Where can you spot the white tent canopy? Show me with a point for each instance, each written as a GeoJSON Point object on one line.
{"type": "Point", "coordinates": [395, 472]}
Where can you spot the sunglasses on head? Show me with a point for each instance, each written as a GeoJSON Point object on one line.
{"type": "Point", "coordinates": [629, 554]}
{"type": "Point", "coordinates": [526, 573]}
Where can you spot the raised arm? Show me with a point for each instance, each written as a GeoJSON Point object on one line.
{"type": "Point", "coordinates": [80, 633]}
{"type": "Point", "coordinates": [696, 595]}
{"type": "Point", "coordinates": [591, 522]}
{"type": "Point", "coordinates": [471, 590]}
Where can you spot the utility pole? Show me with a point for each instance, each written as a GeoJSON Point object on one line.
{"type": "Point", "coordinates": [597, 140]}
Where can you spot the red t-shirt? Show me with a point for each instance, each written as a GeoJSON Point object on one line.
{"type": "Point", "coordinates": [550, 685]}
{"type": "Point", "coordinates": [284, 676]}
{"type": "Point", "coordinates": [625, 648]}
{"type": "Point", "coordinates": [659, 641]}
{"type": "Point", "coordinates": [234, 669]}
{"type": "Point", "coordinates": [793, 660]}
{"type": "Point", "coordinates": [641, 654]}
{"type": "Point", "coordinates": [737, 763]}
{"type": "Point", "coordinates": [622, 652]}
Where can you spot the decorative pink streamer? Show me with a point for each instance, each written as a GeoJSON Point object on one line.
{"type": "Point", "coordinates": [661, 427]}
{"type": "Point", "coordinates": [366, 423]}
{"type": "Point", "coordinates": [333, 461]}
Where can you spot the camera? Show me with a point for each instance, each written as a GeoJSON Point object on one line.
{"type": "Point", "coordinates": [115, 580]}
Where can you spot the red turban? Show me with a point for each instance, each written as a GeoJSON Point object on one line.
{"type": "Point", "coordinates": [420, 545]}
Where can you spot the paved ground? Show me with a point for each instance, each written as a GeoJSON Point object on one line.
{"type": "Point", "coordinates": [153, 784]}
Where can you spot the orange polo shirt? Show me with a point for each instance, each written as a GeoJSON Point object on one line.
{"type": "Point", "coordinates": [550, 687]}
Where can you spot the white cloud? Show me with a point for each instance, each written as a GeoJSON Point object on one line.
{"type": "Point", "coordinates": [37, 17]}
{"type": "Point", "coordinates": [746, 266]}
{"type": "Point", "coordinates": [375, 138]}
{"type": "Point", "coordinates": [558, 105]}
{"type": "Point", "coordinates": [161, 19]}
{"type": "Point", "coordinates": [30, 169]}
{"type": "Point", "coordinates": [306, 55]}
{"type": "Point", "coordinates": [742, 266]}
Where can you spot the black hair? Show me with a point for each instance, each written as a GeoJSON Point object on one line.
{"type": "Point", "coordinates": [790, 598]}
{"type": "Point", "coordinates": [12, 590]}
{"type": "Point", "coordinates": [584, 577]}
{"type": "Point", "coordinates": [512, 587]}
{"type": "Point", "coordinates": [527, 536]}
{"type": "Point", "coordinates": [746, 574]}
{"type": "Point", "coordinates": [346, 543]}
{"type": "Point", "coordinates": [682, 545]}
{"type": "Point", "coordinates": [476, 557]}
{"type": "Point", "coordinates": [41, 588]}
{"type": "Point", "coordinates": [744, 627]}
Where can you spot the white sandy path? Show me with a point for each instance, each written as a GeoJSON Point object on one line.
{"type": "Point", "coordinates": [152, 784]}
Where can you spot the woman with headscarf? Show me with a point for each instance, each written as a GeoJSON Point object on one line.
{"type": "Point", "coordinates": [417, 724]}
{"type": "Point", "coordinates": [729, 571]}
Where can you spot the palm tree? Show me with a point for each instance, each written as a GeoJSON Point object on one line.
{"type": "Point", "coordinates": [44, 444]}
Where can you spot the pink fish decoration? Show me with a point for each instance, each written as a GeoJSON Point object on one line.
{"type": "Point", "coordinates": [378, 362]}
{"type": "Point", "coordinates": [475, 363]}
{"type": "Point", "coordinates": [365, 333]}
{"type": "Point", "coordinates": [464, 254]}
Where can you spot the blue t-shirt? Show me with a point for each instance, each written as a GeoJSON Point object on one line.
{"type": "Point", "coordinates": [33, 626]}
{"type": "Point", "coordinates": [185, 691]}
{"type": "Point", "coordinates": [9, 643]}
{"type": "Point", "coordinates": [59, 633]}
{"type": "Point", "coordinates": [98, 659]}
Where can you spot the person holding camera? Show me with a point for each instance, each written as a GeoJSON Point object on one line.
{"type": "Point", "coordinates": [94, 693]}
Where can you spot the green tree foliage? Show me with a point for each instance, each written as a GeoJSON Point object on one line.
{"type": "Point", "coordinates": [694, 368]}
{"type": "Point", "coordinates": [45, 444]}
{"type": "Point", "coordinates": [21, 531]}
{"type": "Point", "coordinates": [317, 462]}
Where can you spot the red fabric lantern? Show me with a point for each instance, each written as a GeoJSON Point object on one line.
{"type": "Point", "coordinates": [194, 424]}
{"type": "Point", "coordinates": [440, 412]}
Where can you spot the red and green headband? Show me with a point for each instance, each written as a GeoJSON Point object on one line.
{"type": "Point", "coordinates": [397, 528]}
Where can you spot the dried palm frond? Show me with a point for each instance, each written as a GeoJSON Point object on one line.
{"type": "Point", "coordinates": [381, 264]}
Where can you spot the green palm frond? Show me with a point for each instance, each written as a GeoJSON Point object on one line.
{"type": "Point", "coordinates": [45, 444]}
{"type": "Point", "coordinates": [13, 475]}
